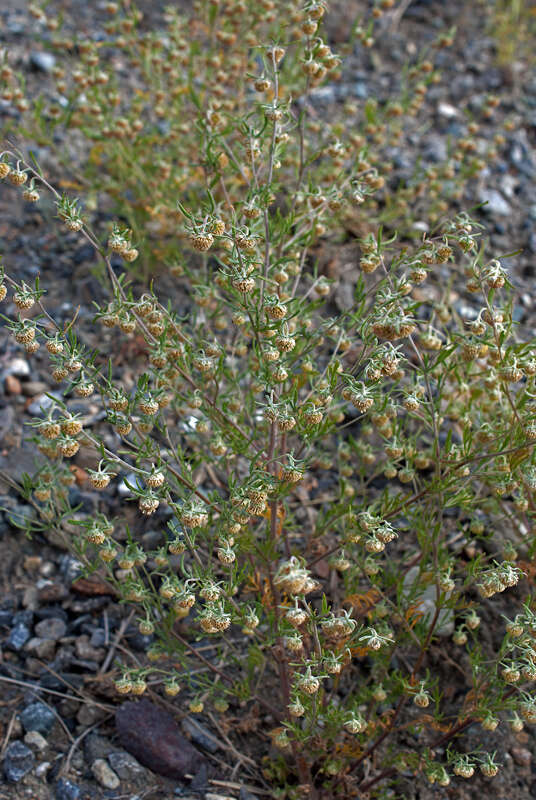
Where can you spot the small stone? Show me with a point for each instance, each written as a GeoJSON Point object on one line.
{"type": "Point", "coordinates": [26, 617]}
{"type": "Point", "coordinates": [96, 748]}
{"type": "Point", "coordinates": [35, 739]}
{"type": "Point", "coordinates": [44, 62]}
{"type": "Point", "coordinates": [53, 628]}
{"type": "Point", "coordinates": [98, 637]}
{"type": "Point", "coordinates": [42, 648]}
{"type": "Point", "coordinates": [42, 404]}
{"type": "Point", "coordinates": [87, 715]}
{"type": "Point", "coordinates": [85, 651]}
{"type": "Point", "coordinates": [18, 636]}
{"type": "Point", "coordinates": [66, 790]}
{"type": "Point", "coordinates": [34, 388]}
{"type": "Point", "coordinates": [154, 738]}
{"type": "Point", "coordinates": [125, 765]}
{"type": "Point", "coordinates": [29, 598]}
{"type": "Point", "coordinates": [6, 617]}
{"type": "Point", "coordinates": [495, 202]}
{"type": "Point", "coordinates": [18, 760]}
{"type": "Point", "coordinates": [52, 592]}
{"type": "Point", "coordinates": [37, 717]}
{"type": "Point", "coordinates": [122, 487]}
{"type": "Point", "coordinates": [42, 769]}
{"type": "Point", "coordinates": [199, 735]}
{"type": "Point", "coordinates": [18, 367]}
{"type": "Point", "coordinates": [12, 385]}
{"type": "Point", "coordinates": [70, 568]}
{"type": "Point", "coordinates": [521, 756]}
{"type": "Point", "coordinates": [20, 515]}
{"type": "Point", "coordinates": [104, 774]}
{"type": "Point", "coordinates": [447, 111]}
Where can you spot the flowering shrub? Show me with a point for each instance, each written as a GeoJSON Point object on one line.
{"type": "Point", "coordinates": [334, 486]}
{"type": "Point", "coordinates": [202, 98]}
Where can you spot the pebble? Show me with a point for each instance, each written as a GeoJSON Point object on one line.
{"type": "Point", "coordinates": [44, 62]}
{"type": "Point", "coordinates": [495, 202]}
{"type": "Point", "coordinates": [70, 568]}
{"type": "Point", "coordinates": [122, 488]}
{"type": "Point", "coordinates": [447, 110]}
{"type": "Point", "coordinates": [104, 774]}
{"type": "Point", "coordinates": [37, 717]}
{"type": "Point", "coordinates": [125, 765]}
{"type": "Point", "coordinates": [67, 790]}
{"type": "Point", "coordinates": [34, 388]}
{"type": "Point", "coordinates": [53, 628]}
{"type": "Point", "coordinates": [19, 515]}
{"type": "Point", "coordinates": [42, 648]}
{"type": "Point", "coordinates": [96, 748]}
{"type": "Point", "coordinates": [200, 735]}
{"type": "Point", "coordinates": [35, 739]}
{"type": "Point", "coordinates": [42, 404]}
{"type": "Point", "coordinates": [42, 769]}
{"type": "Point", "coordinates": [18, 760]}
{"type": "Point", "coordinates": [12, 385]}
{"type": "Point", "coordinates": [18, 367]}
{"type": "Point", "coordinates": [6, 617]}
{"type": "Point", "coordinates": [25, 617]}
{"type": "Point", "coordinates": [522, 756]}
{"type": "Point", "coordinates": [87, 715]}
{"type": "Point", "coordinates": [153, 737]}
{"type": "Point", "coordinates": [18, 636]}
{"type": "Point", "coordinates": [86, 651]}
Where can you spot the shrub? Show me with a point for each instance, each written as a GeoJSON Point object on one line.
{"type": "Point", "coordinates": [195, 113]}
{"type": "Point", "coordinates": [334, 487]}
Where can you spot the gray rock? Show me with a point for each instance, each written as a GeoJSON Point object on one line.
{"type": "Point", "coordinates": [20, 515]}
{"type": "Point", "coordinates": [19, 367]}
{"type": "Point", "coordinates": [360, 90]}
{"type": "Point", "coordinates": [26, 617]}
{"type": "Point", "coordinates": [87, 715]}
{"type": "Point", "coordinates": [18, 761]}
{"type": "Point", "coordinates": [96, 748]}
{"type": "Point", "coordinates": [42, 768]}
{"type": "Point", "coordinates": [84, 649]}
{"type": "Point", "coordinates": [66, 790]}
{"type": "Point", "coordinates": [34, 388]}
{"type": "Point", "coordinates": [125, 765]}
{"type": "Point", "coordinates": [104, 774]}
{"type": "Point", "coordinates": [18, 636]}
{"type": "Point", "coordinates": [200, 735]}
{"type": "Point", "coordinates": [98, 637]}
{"type": "Point", "coordinates": [42, 648]}
{"type": "Point", "coordinates": [6, 617]}
{"type": "Point", "coordinates": [37, 717]}
{"type": "Point", "coordinates": [42, 404]}
{"type": "Point", "coordinates": [495, 202]}
{"type": "Point", "coordinates": [436, 149]}
{"type": "Point", "coordinates": [70, 568]}
{"type": "Point", "coordinates": [35, 739]}
{"type": "Point", "coordinates": [53, 628]}
{"type": "Point", "coordinates": [122, 488]}
{"type": "Point", "coordinates": [42, 61]}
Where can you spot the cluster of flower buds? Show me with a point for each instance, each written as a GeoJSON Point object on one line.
{"type": "Point", "coordinates": [293, 578]}
{"type": "Point", "coordinates": [499, 578]}
{"type": "Point", "coordinates": [119, 242]}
